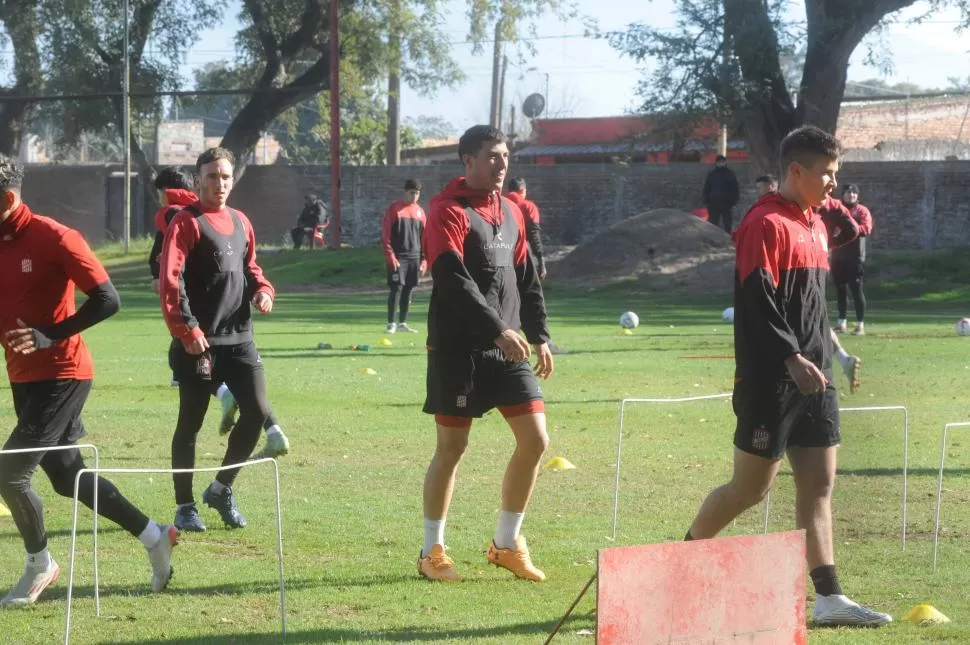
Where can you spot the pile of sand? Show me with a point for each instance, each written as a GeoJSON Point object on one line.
{"type": "Point", "coordinates": [662, 248]}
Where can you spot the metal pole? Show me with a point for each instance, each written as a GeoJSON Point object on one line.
{"type": "Point", "coordinates": [501, 93]}
{"type": "Point", "coordinates": [126, 126]}
{"type": "Point", "coordinates": [394, 91]}
{"type": "Point", "coordinates": [495, 107]}
{"type": "Point", "coordinates": [334, 124]}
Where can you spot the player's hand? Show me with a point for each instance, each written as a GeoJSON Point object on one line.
{"type": "Point", "coordinates": [393, 265]}
{"type": "Point", "coordinates": [197, 346]}
{"type": "Point", "coordinates": [807, 376]}
{"type": "Point", "coordinates": [424, 268]}
{"type": "Point", "coordinates": [513, 346]}
{"type": "Point", "coordinates": [25, 340]}
{"type": "Point", "coordinates": [543, 274]}
{"type": "Point", "coordinates": [155, 286]}
{"type": "Point", "coordinates": [543, 361]}
{"type": "Point", "coordinates": [263, 302]}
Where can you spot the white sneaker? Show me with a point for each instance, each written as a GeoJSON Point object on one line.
{"type": "Point", "coordinates": [860, 330]}
{"type": "Point", "coordinates": [853, 372]}
{"type": "Point", "coordinates": [837, 610]}
{"type": "Point", "coordinates": [841, 327]}
{"type": "Point", "coordinates": [277, 445]}
{"type": "Point", "coordinates": [404, 327]}
{"type": "Point", "coordinates": [391, 328]}
{"type": "Point", "coordinates": [31, 585]}
{"type": "Point", "coordinates": [160, 556]}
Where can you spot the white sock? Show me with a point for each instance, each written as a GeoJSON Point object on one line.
{"type": "Point", "coordinates": [507, 531]}
{"type": "Point", "coordinates": [274, 429]}
{"type": "Point", "coordinates": [41, 560]}
{"type": "Point", "coordinates": [842, 322]}
{"type": "Point", "coordinates": [221, 390]}
{"type": "Point", "coordinates": [217, 487]}
{"type": "Point", "coordinates": [434, 533]}
{"type": "Point", "coordinates": [151, 535]}
{"type": "Point", "coordinates": [843, 357]}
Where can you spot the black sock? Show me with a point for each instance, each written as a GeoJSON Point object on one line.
{"type": "Point", "coordinates": [688, 537]}
{"type": "Point", "coordinates": [825, 580]}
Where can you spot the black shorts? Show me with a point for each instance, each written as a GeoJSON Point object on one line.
{"type": "Point", "coordinates": [772, 418]}
{"type": "Point", "coordinates": [471, 384]}
{"type": "Point", "coordinates": [224, 362]}
{"type": "Point", "coordinates": [408, 274]}
{"type": "Point", "coordinates": [48, 413]}
{"type": "Point", "coordinates": [847, 271]}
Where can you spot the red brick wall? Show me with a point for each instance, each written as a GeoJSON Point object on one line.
{"type": "Point", "coordinates": [863, 125]}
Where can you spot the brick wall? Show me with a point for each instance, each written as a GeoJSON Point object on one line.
{"type": "Point", "coordinates": [915, 204]}
{"type": "Point", "coordinates": [864, 125]}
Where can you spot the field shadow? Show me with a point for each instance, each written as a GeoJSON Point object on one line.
{"type": "Point", "coordinates": [893, 472]}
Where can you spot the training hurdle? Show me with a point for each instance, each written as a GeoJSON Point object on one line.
{"type": "Point", "coordinates": [939, 489]}
{"type": "Point", "coordinates": [125, 471]}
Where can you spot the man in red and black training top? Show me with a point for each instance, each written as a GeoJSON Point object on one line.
{"type": "Point", "coordinates": [401, 235]}
{"type": "Point", "coordinates": [486, 287]}
{"type": "Point", "coordinates": [784, 393]}
{"type": "Point", "coordinates": [533, 230]}
{"type": "Point", "coordinates": [50, 372]}
{"type": "Point", "coordinates": [209, 277]}
{"type": "Point", "coordinates": [848, 264]}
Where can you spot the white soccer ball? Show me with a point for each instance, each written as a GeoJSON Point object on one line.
{"type": "Point", "coordinates": [629, 320]}
{"type": "Point", "coordinates": [963, 327]}
{"type": "Point", "coordinates": [728, 315]}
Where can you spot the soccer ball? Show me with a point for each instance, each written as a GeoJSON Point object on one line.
{"type": "Point", "coordinates": [728, 315]}
{"type": "Point", "coordinates": [630, 320]}
{"type": "Point", "coordinates": [963, 327]}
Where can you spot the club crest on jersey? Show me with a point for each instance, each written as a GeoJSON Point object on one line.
{"type": "Point", "coordinates": [26, 266]}
{"type": "Point", "coordinates": [225, 253]}
{"type": "Point", "coordinates": [461, 401]}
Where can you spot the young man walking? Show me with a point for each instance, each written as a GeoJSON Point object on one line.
{"type": "Point", "coordinates": [210, 282]}
{"type": "Point", "coordinates": [849, 263]}
{"type": "Point", "coordinates": [486, 287]}
{"type": "Point", "coordinates": [401, 234]}
{"type": "Point", "coordinates": [784, 394]}
{"type": "Point", "coordinates": [518, 195]}
{"type": "Point", "coordinates": [50, 372]}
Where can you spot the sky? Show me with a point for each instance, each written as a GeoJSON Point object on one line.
{"type": "Point", "coordinates": [585, 77]}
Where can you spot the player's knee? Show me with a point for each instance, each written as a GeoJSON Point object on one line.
{"type": "Point", "coordinates": [533, 444]}
{"type": "Point", "coordinates": [749, 493]}
{"type": "Point", "coordinates": [63, 482]}
{"type": "Point", "coordinates": [450, 451]}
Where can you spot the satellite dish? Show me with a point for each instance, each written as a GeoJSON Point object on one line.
{"type": "Point", "coordinates": [533, 106]}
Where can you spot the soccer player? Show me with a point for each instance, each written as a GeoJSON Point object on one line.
{"type": "Point", "coordinates": [209, 283]}
{"type": "Point", "coordinates": [721, 194]}
{"type": "Point", "coordinates": [50, 372]}
{"type": "Point", "coordinates": [485, 288]}
{"type": "Point", "coordinates": [175, 192]}
{"type": "Point", "coordinates": [784, 394]}
{"type": "Point", "coordinates": [401, 234]}
{"type": "Point", "coordinates": [533, 230]}
{"type": "Point", "coordinates": [848, 264]}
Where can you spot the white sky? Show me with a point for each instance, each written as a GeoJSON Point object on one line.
{"type": "Point", "coordinates": [587, 77]}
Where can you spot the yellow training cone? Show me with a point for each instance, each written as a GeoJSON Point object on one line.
{"type": "Point", "coordinates": [559, 463]}
{"type": "Point", "coordinates": [368, 371]}
{"type": "Point", "coordinates": [925, 615]}
{"type": "Point", "coordinates": [384, 341]}
{"type": "Point", "coordinates": [4, 511]}
{"type": "Point", "coordinates": [627, 332]}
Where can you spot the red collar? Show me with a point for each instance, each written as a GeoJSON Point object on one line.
{"type": "Point", "coordinates": [15, 225]}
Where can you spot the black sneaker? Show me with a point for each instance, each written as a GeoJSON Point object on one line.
{"type": "Point", "coordinates": [225, 503]}
{"type": "Point", "coordinates": [187, 519]}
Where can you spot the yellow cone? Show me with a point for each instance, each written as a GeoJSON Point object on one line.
{"type": "Point", "coordinates": [559, 463]}
{"type": "Point", "coordinates": [368, 371]}
{"type": "Point", "coordinates": [627, 332]}
{"type": "Point", "coordinates": [4, 511]}
{"type": "Point", "coordinates": [925, 615]}
{"type": "Point", "coordinates": [385, 341]}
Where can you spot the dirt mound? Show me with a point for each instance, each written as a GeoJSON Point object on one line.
{"type": "Point", "coordinates": [662, 248]}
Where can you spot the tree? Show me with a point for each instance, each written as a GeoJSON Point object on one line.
{"type": "Point", "coordinates": [432, 127]}
{"type": "Point", "coordinates": [23, 25]}
{"type": "Point", "coordinates": [725, 59]}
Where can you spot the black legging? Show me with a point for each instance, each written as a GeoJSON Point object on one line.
{"type": "Point", "coordinates": [723, 217]}
{"type": "Point", "coordinates": [61, 467]}
{"type": "Point", "coordinates": [858, 297]}
{"type": "Point", "coordinates": [247, 381]}
{"type": "Point", "coordinates": [405, 292]}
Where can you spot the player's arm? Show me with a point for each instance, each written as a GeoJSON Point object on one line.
{"type": "Point", "coordinates": [386, 230]}
{"type": "Point", "coordinates": [445, 236]}
{"type": "Point", "coordinates": [533, 232]}
{"type": "Point", "coordinates": [263, 292]}
{"type": "Point", "coordinates": [180, 238]}
{"type": "Point", "coordinates": [839, 223]}
{"type": "Point", "coordinates": [532, 308]}
{"type": "Point", "coordinates": [154, 257]}
{"type": "Point", "coordinates": [865, 222]}
{"type": "Point", "coordinates": [422, 226]}
{"type": "Point", "coordinates": [84, 269]}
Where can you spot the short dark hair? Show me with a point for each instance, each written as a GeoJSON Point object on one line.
{"type": "Point", "coordinates": [471, 142]}
{"type": "Point", "coordinates": [11, 173]}
{"type": "Point", "coordinates": [766, 179]}
{"type": "Point", "coordinates": [517, 184]}
{"type": "Point", "coordinates": [215, 154]}
{"type": "Point", "coordinates": [806, 145]}
{"type": "Point", "coordinates": [412, 184]}
{"type": "Point", "coordinates": [851, 188]}
{"type": "Point", "coordinates": [174, 177]}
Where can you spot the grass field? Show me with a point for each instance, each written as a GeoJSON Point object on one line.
{"type": "Point", "coordinates": [352, 484]}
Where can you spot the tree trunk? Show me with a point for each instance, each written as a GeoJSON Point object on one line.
{"type": "Point", "coordinates": [22, 25]}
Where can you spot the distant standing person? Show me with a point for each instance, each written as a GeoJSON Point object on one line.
{"type": "Point", "coordinates": [401, 234]}
{"type": "Point", "coordinates": [533, 231]}
{"type": "Point", "coordinates": [314, 214]}
{"type": "Point", "coordinates": [848, 264]}
{"type": "Point", "coordinates": [721, 194]}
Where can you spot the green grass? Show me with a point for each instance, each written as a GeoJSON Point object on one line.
{"type": "Point", "coordinates": [352, 485]}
